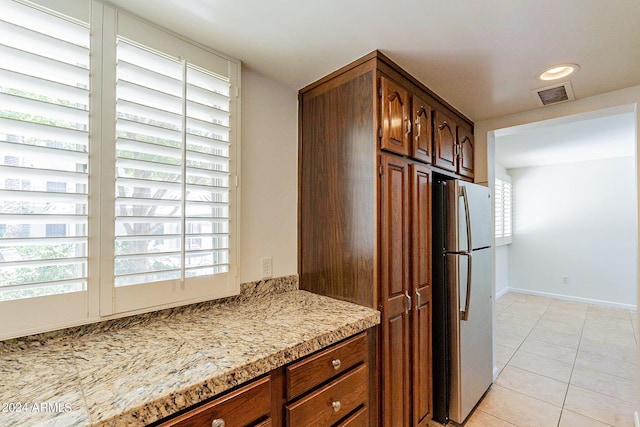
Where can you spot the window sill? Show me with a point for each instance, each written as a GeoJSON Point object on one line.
{"type": "Point", "coordinates": [501, 241]}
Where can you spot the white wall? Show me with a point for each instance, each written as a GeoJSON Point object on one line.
{"type": "Point", "coordinates": [502, 269]}
{"type": "Point", "coordinates": [576, 220]}
{"type": "Point", "coordinates": [269, 176]}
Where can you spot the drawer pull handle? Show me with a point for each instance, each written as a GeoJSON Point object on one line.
{"type": "Point", "coordinates": [336, 364]}
{"type": "Point", "coordinates": [336, 405]}
{"type": "Point", "coordinates": [218, 422]}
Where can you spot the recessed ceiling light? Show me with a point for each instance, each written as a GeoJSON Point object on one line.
{"type": "Point", "coordinates": [558, 71]}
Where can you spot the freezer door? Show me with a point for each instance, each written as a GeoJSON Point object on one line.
{"type": "Point", "coordinates": [468, 217]}
{"type": "Point", "coordinates": [470, 339]}
{"type": "Point", "coordinates": [479, 205]}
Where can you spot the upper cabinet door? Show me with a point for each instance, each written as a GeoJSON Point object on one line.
{"type": "Point", "coordinates": [422, 118]}
{"type": "Point", "coordinates": [465, 160]}
{"type": "Point", "coordinates": [396, 123]}
{"type": "Point", "coordinates": [445, 151]}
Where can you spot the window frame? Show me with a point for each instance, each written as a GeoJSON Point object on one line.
{"type": "Point", "coordinates": [102, 300]}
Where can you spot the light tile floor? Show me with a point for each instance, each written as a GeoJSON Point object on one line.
{"type": "Point", "coordinates": [562, 364]}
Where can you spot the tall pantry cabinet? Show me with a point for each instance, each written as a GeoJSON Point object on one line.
{"type": "Point", "coordinates": [366, 143]}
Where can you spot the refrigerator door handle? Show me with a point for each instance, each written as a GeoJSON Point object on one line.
{"type": "Point", "coordinates": [465, 198]}
{"type": "Point", "coordinates": [464, 314]}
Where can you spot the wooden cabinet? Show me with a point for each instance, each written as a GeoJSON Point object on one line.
{"type": "Point", "coordinates": [368, 133]}
{"type": "Point", "coordinates": [306, 374]}
{"type": "Point", "coordinates": [406, 121]}
{"type": "Point", "coordinates": [395, 117]}
{"type": "Point", "coordinates": [395, 322]}
{"type": "Point", "coordinates": [330, 388]}
{"type": "Point", "coordinates": [406, 292]}
{"type": "Point", "coordinates": [445, 147]}
{"type": "Point", "coordinates": [465, 157]}
{"type": "Point", "coordinates": [248, 406]}
{"type": "Point", "coordinates": [422, 118]}
{"type": "Point", "coordinates": [359, 419]}
{"type": "Point", "coordinates": [453, 145]}
{"type": "Point", "coordinates": [329, 404]}
{"type": "Point", "coordinates": [421, 337]}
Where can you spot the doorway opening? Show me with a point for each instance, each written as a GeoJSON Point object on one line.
{"type": "Point", "coordinates": [565, 320]}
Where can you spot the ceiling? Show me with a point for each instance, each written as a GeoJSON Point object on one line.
{"type": "Point", "coordinates": [481, 56]}
{"type": "Point", "coordinates": [573, 139]}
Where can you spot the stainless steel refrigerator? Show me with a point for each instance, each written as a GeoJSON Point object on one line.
{"type": "Point", "coordinates": [462, 293]}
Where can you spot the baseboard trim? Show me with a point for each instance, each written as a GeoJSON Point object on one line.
{"type": "Point", "coordinates": [496, 372]}
{"type": "Point", "coordinates": [636, 420]}
{"type": "Point", "coordinates": [571, 298]}
{"type": "Point", "coordinates": [502, 292]}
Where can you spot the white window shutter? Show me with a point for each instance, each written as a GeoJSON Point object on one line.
{"type": "Point", "coordinates": [173, 183]}
{"type": "Point", "coordinates": [44, 121]}
{"type": "Point", "coordinates": [503, 213]}
{"type": "Point", "coordinates": [139, 212]}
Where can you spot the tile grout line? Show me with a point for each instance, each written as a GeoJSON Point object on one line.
{"type": "Point", "coordinates": [524, 339]}
{"type": "Point", "coordinates": [497, 417]}
{"type": "Point", "coordinates": [517, 349]}
{"type": "Point", "coordinates": [539, 320]}
{"type": "Point", "coordinates": [566, 393]}
{"type": "Point", "coordinates": [538, 373]}
{"type": "Point", "coordinates": [633, 327]}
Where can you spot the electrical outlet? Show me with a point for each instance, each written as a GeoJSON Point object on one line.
{"type": "Point", "coordinates": [266, 266]}
{"type": "Point", "coordinates": [565, 280]}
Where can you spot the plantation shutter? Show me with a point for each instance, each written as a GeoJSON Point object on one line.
{"type": "Point", "coordinates": [172, 168]}
{"type": "Point", "coordinates": [499, 218]}
{"type": "Point", "coordinates": [503, 220]}
{"type": "Point", "coordinates": [44, 120]}
{"type": "Point", "coordinates": [506, 209]}
{"type": "Point", "coordinates": [208, 173]}
{"type": "Point", "coordinates": [139, 212]}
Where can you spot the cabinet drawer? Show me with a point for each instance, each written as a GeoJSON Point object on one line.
{"type": "Point", "coordinates": [310, 372]}
{"type": "Point", "coordinates": [359, 419]}
{"type": "Point", "coordinates": [247, 406]}
{"type": "Point", "coordinates": [332, 402]}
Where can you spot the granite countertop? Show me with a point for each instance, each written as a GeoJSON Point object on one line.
{"type": "Point", "coordinates": [136, 371]}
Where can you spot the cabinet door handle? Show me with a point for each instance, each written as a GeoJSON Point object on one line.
{"type": "Point", "coordinates": [407, 299]}
{"type": "Point", "coordinates": [218, 422]}
{"type": "Point", "coordinates": [408, 127]}
{"type": "Point", "coordinates": [336, 405]}
{"type": "Point", "coordinates": [418, 129]}
{"type": "Point", "coordinates": [419, 301]}
{"type": "Point", "coordinates": [336, 363]}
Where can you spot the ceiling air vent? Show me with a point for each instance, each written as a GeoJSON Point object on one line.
{"type": "Point", "coordinates": [554, 94]}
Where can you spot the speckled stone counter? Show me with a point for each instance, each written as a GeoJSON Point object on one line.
{"type": "Point", "coordinates": [137, 370]}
